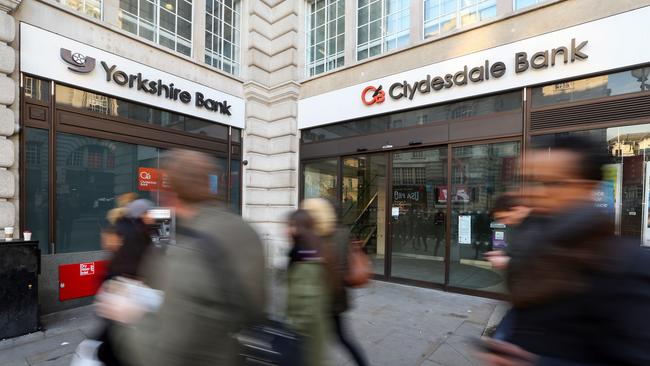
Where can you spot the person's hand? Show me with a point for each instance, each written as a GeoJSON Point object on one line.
{"type": "Point", "coordinates": [114, 303]}
{"type": "Point", "coordinates": [499, 353]}
{"type": "Point", "coordinates": [498, 259]}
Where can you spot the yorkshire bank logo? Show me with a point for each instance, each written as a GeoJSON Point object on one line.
{"type": "Point", "coordinates": [371, 95]}
{"type": "Point", "coordinates": [78, 62]}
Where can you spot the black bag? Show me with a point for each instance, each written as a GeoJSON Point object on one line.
{"type": "Point", "coordinates": [271, 343]}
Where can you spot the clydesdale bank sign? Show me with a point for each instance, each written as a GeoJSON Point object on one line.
{"type": "Point", "coordinates": [474, 74]}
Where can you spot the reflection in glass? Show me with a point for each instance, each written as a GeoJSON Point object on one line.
{"type": "Point", "coordinates": [510, 102]}
{"type": "Point", "coordinates": [629, 81]}
{"type": "Point", "coordinates": [235, 168]}
{"type": "Point", "coordinates": [418, 209]}
{"type": "Point", "coordinates": [625, 190]}
{"type": "Point", "coordinates": [90, 174]}
{"type": "Point", "coordinates": [363, 204]}
{"type": "Point", "coordinates": [480, 173]}
{"type": "Point", "coordinates": [140, 113]}
{"type": "Point", "coordinates": [36, 186]}
{"type": "Point", "coordinates": [320, 179]}
{"type": "Point", "coordinates": [36, 89]}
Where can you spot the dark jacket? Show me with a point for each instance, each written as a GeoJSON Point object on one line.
{"type": "Point", "coordinates": [206, 301]}
{"type": "Point", "coordinates": [580, 294]}
{"type": "Point", "coordinates": [341, 243]}
{"type": "Point", "coordinates": [136, 241]}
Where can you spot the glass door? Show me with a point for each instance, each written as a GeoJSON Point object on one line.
{"type": "Point", "coordinates": [480, 173]}
{"type": "Point", "coordinates": [418, 214]}
{"type": "Point", "coordinates": [363, 204]}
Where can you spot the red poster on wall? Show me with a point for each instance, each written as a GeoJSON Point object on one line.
{"type": "Point", "coordinates": [80, 279]}
{"type": "Point", "coordinates": [147, 179]}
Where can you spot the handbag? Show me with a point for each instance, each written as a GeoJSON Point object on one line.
{"type": "Point", "coordinates": [359, 266]}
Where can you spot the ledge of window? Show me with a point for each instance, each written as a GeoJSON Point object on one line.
{"type": "Point", "coordinates": [116, 29]}
{"type": "Point", "coordinates": [427, 40]}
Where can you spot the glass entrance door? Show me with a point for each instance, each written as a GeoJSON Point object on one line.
{"type": "Point", "coordinates": [418, 214]}
{"type": "Point", "coordinates": [363, 206]}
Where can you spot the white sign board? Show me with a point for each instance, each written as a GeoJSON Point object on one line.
{"type": "Point", "coordinates": [62, 59]}
{"type": "Point", "coordinates": [594, 47]}
{"type": "Point", "coordinates": [464, 229]}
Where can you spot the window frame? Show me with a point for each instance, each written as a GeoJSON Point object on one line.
{"type": "Point", "coordinates": [235, 60]}
{"type": "Point", "coordinates": [327, 59]}
{"type": "Point", "coordinates": [83, 10]}
{"type": "Point", "coordinates": [384, 36]}
{"type": "Point", "coordinates": [459, 11]}
{"type": "Point", "coordinates": [158, 8]}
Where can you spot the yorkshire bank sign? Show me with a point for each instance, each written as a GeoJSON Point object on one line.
{"type": "Point", "coordinates": [595, 47]}
{"type": "Point", "coordinates": [62, 59]}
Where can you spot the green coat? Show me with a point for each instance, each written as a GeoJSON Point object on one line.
{"type": "Point", "coordinates": [200, 313]}
{"type": "Point", "coordinates": [309, 307]}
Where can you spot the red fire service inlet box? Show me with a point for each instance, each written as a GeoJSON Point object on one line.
{"type": "Point", "coordinates": [80, 279]}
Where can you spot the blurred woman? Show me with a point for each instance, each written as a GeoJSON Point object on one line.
{"type": "Point", "coordinates": [308, 287]}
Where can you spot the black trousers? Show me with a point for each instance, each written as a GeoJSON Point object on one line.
{"type": "Point", "coordinates": [355, 351]}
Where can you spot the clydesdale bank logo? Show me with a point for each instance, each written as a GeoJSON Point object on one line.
{"type": "Point", "coordinates": [79, 63]}
{"type": "Point", "coordinates": [475, 74]}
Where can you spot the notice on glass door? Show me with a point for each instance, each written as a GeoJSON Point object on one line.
{"type": "Point", "coordinates": [464, 229]}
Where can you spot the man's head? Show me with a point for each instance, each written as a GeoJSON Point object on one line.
{"type": "Point", "coordinates": [565, 174]}
{"type": "Point", "coordinates": [509, 210]}
{"type": "Point", "coordinates": [189, 176]}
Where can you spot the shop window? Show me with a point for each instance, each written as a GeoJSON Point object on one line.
{"type": "Point", "coordinates": [442, 16]}
{"type": "Point", "coordinates": [36, 89]}
{"type": "Point", "coordinates": [37, 181]}
{"type": "Point", "coordinates": [96, 103]}
{"type": "Point", "coordinates": [166, 22]}
{"type": "Point", "coordinates": [624, 82]}
{"type": "Point", "coordinates": [92, 8]}
{"type": "Point", "coordinates": [235, 185]}
{"type": "Point", "coordinates": [625, 189]}
{"type": "Point", "coordinates": [382, 25]}
{"type": "Point", "coordinates": [325, 35]}
{"type": "Point", "coordinates": [223, 35]}
{"type": "Point", "coordinates": [473, 108]}
{"type": "Point", "coordinates": [320, 179]}
{"type": "Point", "coordinates": [520, 4]}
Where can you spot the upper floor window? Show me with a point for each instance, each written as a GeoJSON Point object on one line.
{"type": "Point", "coordinates": [525, 3]}
{"type": "Point", "coordinates": [444, 15]}
{"type": "Point", "coordinates": [222, 34]}
{"type": "Point", "coordinates": [166, 22]}
{"type": "Point", "coordinates": [91, 8]}
{"type": "Point", "coordinates": [382, 25]}
{"type": "Point", "coordinates": [326, 35]}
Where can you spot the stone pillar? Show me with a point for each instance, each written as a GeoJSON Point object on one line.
{"type": "Point", "coordinates": [504, 7]}
{"type": "Point", "coordinates": [350, 32]}
{"type": "Point", "coordinates": [198, 31]}
{"type": "Point", "coordinates": [8, 117]}
{"type": "Point", "coordinates": [271, 135]}
{"type": "Point", "coordinates": [111, 12]}
{"type": "Point", "coordinates": [417, 21]}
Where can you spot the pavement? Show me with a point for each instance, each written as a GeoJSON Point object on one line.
{"type": "Point", "coordinates": [394, 324]}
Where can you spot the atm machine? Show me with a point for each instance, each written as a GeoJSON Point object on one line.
{"type": "Point", "coordinates": [164, 227]}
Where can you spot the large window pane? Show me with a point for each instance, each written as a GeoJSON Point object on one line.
{"type": "Point", "coordinates": [480, 173]}
{"type": "Point", "coordinates": [630, 81]}
{"type": "Point", "coordinates": [224, 33]}
{"type": "Point", "coordinates": [446, 15]}
{"type": "Point", "coordinates": [37, 181]}
{"type": "Point", "coordinates": [320, 179]}
{"type": "Point", "coordinates": [92, 8]}
{"type": "Point", "coordinates": [418, 212]}
{"type": "Point", "coordinates": [382, 25]}
{"type": "Point", "coordinates": [363, 206]}
{"type": "Point", "coordinates": [325, 40]}
{"type": "Point", "coordinates": [166, 22]}
{"type": "Point", "coordinates": [36, 89]}
{"type": "Point", "coordinates": [625, 191]}
{"type": "Point", "coordinates": [235, 185]}
{"type": "Point", "coordinates": [525, 3]}
{"type": "Point", "coordinates": [90, 174]}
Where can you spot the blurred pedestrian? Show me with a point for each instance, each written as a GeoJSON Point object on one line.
{"type": "Point", "coordinates": [212, 278]}
{"type": "Point", "coordinates": [580, 294]}
{"type": "Point", "coordinates": [337, 239]}
{"type": "Point", "coordinates": [309, 282]}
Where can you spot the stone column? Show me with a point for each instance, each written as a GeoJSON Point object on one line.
{"type": "Point", "coordinates": [8, 117]}
{"type": "Point", "coordinates": [198, 30]}
{"type": "Point", "coordinates": [417, 21]}
{"type": "Point", "coordinates": [504, 7]}
{"type": "Point", "coordinates": [111, 12]}
{"type": "Point", "coordinates": [350, 32]}
{"type": "Point", "coordinates": [271, 135]}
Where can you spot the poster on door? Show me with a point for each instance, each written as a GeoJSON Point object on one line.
{"type": "Point", "coordinates": [464, 229]}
